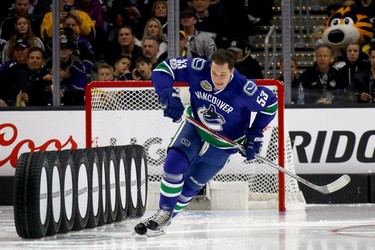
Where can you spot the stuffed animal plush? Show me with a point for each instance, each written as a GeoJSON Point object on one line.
{"type": "Point", "coordinates": [345, 26]}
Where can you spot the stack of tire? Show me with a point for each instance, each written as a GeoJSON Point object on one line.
{"type": "Point", "coordinates": [69, 190]}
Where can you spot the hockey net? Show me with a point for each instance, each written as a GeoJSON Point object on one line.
{"type": "Point", "coordinates": [125, 112]}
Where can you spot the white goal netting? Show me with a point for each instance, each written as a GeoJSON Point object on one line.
{"type": "Point", "coordinates": [119, 113]}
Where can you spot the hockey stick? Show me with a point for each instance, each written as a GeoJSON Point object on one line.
{"type": "Point", "coordinates": [325, 189]}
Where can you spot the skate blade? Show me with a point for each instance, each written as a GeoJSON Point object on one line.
{"type": "Point", "coordinates": [134, 233]}
{"type": "Point", "coordinates": [154, 233]}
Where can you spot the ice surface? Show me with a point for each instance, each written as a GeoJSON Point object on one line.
{"type": "Point", "coordinates": [318, 227]}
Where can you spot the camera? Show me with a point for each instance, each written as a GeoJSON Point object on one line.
{"type": "Point", "coordinates": [68, 31]}
{"type": "Point", "coordinates": [68, 8]}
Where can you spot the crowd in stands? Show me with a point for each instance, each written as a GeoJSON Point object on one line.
{"type": "Point", "coordinates": [115, 40]}
{"type": "Point", "coordinates": [338, 78]}
{"type": "Point", "coordinates": [335, 79]}
{"type": "Point", "coordinates": [103, 40]}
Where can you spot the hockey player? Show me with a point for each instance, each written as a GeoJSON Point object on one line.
{"type": "Point", "coordinates": [220, 98]}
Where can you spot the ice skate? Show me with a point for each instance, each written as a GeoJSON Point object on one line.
{"type": "Point", "coordinates": [141, 227]}
{"type": "Point", "coordinates": [154, 225]}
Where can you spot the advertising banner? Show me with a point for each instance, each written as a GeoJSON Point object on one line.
{"type": "Point", "coordinates": [325, 140]}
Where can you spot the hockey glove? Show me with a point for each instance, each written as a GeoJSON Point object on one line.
{"type": "Point", "coordinates": [173, 105]}
{"type": "Point", "coordinates": [253, 144]}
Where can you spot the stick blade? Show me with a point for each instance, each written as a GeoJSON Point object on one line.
{"type": "Point", "coordinates": [338, 184]}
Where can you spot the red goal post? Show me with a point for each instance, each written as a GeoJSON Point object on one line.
{"type": "Point", "coordinates": [125, 112]}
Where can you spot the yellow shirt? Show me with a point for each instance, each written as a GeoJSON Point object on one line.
{"type": "Point", "coordinates": [87, 27]}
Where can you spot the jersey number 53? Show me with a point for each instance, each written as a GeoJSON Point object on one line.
{"type": "Point", "coordinates": [262, 98]}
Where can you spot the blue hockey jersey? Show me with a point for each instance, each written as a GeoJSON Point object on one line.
{"type": "Point", "coordinates": [227, 111]}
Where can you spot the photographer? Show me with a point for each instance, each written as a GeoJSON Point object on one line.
{"type": "Point", "coordinates": [83, 47]}
{"type": "Point", "coordinates": [86, 26]}
{"type": "Point", "coordinates": [73, 77]}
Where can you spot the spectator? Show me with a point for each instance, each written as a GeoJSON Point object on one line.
{"type": "Point", "coordinates": [293, 75]}
{"type": "Point", "coordinates": [23, 30]}
{"type": "Point", "coordinates": [108, 26]}
{"type": "Point", "coordinates": [86, 25]}
{"type": "Point", "coordinates": [231, 15]}
{"type": "Point", "coordinates": [200, 44]}
{"type": "Point", "coordinates": [122, 69]}
{"type": "Point", "coordinates": [72, 75]}
{"type": "Point", "coordinates": [159, 10]}
{"type": "Point", "coordinates": [109, 18]}
{"type": "Point", "coordinates": [123, 45]}
{"type": "Point", "coordinates": [129, 13]}
{"type": "Point", "coordinates": [144, 7]}
{"type": "Point", "coordinates": [13, 74]}
{"type": "Point", "coordinates": [21, 48]}
{"type": "Point", "coordinates": [245, 63]}
{"type": "Point", "coordinates": [207, 16]}
{"type": "Point", "coordinates": [95, 11]}
{"type": "Point", "coordinates": [37, 10]}
{"type": "Point", "coordinates": [150, 49]}
{"type": "Point", "coordinates": [20, 8]}
{"type": "Point", "coordinates": [355, 60]}
{"type": "Point", "coordinates": [83, 48]}
{"type": "Point", "coordinates": [319, 80]}
{"type": "Point", "coordinates": [143, 68]}
{"type": "Point", "coordinates": [105, 72]}
{"type": "Point", "coordinates": [363, 86]}
{"type": "Point", "coordinates": [154, 28]}
{"type": "Point", "coordinates": [38, 90]}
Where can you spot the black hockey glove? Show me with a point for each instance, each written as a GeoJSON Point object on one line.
{"type": "Point", "coordinates": [253, 144]}
{"type": "Point", "coordinates": [173, 105]}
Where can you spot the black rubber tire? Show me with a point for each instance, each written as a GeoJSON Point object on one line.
{"type": "Point", "coordinates": [132, 177]}
{"type": "Point", "coordinates": [123, 197]}
{"type": "Point", "coordinates": [95, 211]}
{"type": "Point", "coordinates": [83, 200]}
{"type": "Point", "coordinates": [142, 183]}
{"type": "Point", "coordinates": [36, 206]}
{"type": "Point", "coordinates": [103, 186]}
{"type": "Point", "coordinates": [55, 195]}
{"type": "Point", "coordinates": [112, 184]}
{"type": "Point", "coordinates": [19, 198]}
{"type": "Point", "coordinates": [69, 191]}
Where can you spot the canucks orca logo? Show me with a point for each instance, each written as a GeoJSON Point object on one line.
{"type": "Point", "coordinates": [211, 118]}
